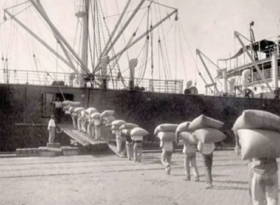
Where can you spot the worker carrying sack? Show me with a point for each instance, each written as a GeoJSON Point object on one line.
{"type": "Point", "coordinates": [256, 143]}
{"type": "Point", "coordinates": [107, 113]}
{"type": "Point", "coordinates": [188, 138]}
{"type": "Point", "coordinates": [166, 127]}
{"type": "Point", "coordinates": [95, 116]}
{"type": "Point", "coordinates": [184, 126]}
{"type": "Point", "coordinates": [209, 135]}
{"type": "Point", "coordinates": [138, 131]}
{"type": "Point", "coordinates": [203, 121]}
{"type": "Point", "coordinates": [91, 110]}
{"type": "Point", "coordinates": [128, 126]}
{"type": "Point", "coordinates": [257, 119]}
{"type": "Point", "coordinates": [166, 136]}
{"type": "Point", "coordinates": [116, 124]}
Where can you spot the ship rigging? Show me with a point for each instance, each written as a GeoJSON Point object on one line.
{"type": "Point", "coordinates": [101, 59]}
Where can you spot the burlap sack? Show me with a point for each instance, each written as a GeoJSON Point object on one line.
{"type": "Point", "coordinates": [188, 138]}
{"type": "Point", "coordinates": [138, 131]}
{"type": "Point", "coordinates": [184, 126]}
{"type": "Point", "coordinates": [256, 143]}
{"type": "Point", "coordinates": [128, 126]}
{"type": "Point", "coordinates": [107, 113]}
{"type": "Point", "coordinates": [203, 121]}
{"type": "Point", "coordinates": [257, 119]}
{"type": "Point", "coordinates": [166, 127]}
{"type": "Point", "coordinates": [209, 135]}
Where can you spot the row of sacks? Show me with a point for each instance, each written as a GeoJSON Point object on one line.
{"type": "Point", "coordinates": [129, 139]}
{"type": "Point", "coordinates": [258, 133]}
{"type": "Point", "coordinates": [126, 128]}
{"type": "Point", "coordinates": [88, 120]}
{"type": "Point", "coordinates": [204, 129]}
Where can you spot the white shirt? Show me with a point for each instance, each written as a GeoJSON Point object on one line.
{"type": "Point", "coordinates": [206, 148]}
{"type": "Point", "coordinates": [189, 148]}
{"type": "Point", "coordinates": [51, 124]}
{"type": "Point", "coordinates": [58, 104]}
{"type": "Point", "coordinates": [167, 146]}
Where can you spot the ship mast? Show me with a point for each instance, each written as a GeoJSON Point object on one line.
{"type": "Point", "coordinates": [83, 14]}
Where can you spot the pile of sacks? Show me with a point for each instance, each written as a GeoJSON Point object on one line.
{"type": "Point", "coordinates": [204, 129]}
{"type": "Point", "coordinates": [259, 134]}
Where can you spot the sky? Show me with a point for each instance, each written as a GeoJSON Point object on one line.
{"type": "Point", "coordinates": [207, 25]}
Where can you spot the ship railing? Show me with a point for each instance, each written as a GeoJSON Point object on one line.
{"type": "Point", "coordinates": [42, 78]}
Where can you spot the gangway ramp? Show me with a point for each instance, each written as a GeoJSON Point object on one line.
{"type": "Point", "coordinates": [83, 139]}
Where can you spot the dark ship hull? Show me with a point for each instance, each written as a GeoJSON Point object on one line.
{"type": "Point", "coordinates": [25, 109]}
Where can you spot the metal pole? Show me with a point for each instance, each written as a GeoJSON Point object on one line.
{"type": "Point", "coordinates": [120, 33]}
{"type": "Point", "coordinates": [115, 28]}
{"type": "Point", "coordinates": [40, 40]}
{"type": "Point", "coordinates": [142, 36]}
{"type": "Point", "coordinates": [43, 13]}
{"type": "Point", "coordinates": [198, 52]}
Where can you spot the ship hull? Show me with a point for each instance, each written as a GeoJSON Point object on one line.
{"type": "Point", "coordinates": [28, 104]}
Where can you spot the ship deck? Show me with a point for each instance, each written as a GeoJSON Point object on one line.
{"type": "Point", "coordinates": [108, 179]}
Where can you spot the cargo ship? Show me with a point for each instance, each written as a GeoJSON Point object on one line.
{"type": "Point", "coordinates": [98, 81]}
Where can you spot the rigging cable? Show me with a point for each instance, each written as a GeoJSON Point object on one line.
{"type": "Point", "coordinates": [98, 29]}
{"type": "Point", "coordinates": [113, 51]}
{"type": "Point", "coordinates": [134, 34]}
{"type": "Point", "coordinates": [103, 34]}
{"type": "Point", "coordinates": [163, 62]}
{"type": "Point", "coordinates": [182, 50]}
{"type": "Point", "coordinates": [92, 50]}
{"type": "Point", "coordinates": [190, 51]}
{"type": "Point", "coordinates": [17, 5]}
{"type": "Point", "coordinates": [144, 64]}
{"type": "Point", "coordinates": [165, 45]}
{"type": "Point", "coordinates": [146, 45]}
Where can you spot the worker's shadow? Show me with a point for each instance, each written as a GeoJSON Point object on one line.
{"type": "Point", "coordinates": [222, 187]}
{"type": "Point", "coordinates": [230, 184]}
{"type": "Point", "coordinates": [151, 160]}
{"type": "Point", "coordinates": [230, 181]}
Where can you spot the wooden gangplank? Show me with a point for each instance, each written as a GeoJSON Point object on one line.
{"type": "Point", "coordinates": [80, 137]}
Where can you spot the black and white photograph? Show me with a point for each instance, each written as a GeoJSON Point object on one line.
{"type": "Point", "coordinates": [136, 102]}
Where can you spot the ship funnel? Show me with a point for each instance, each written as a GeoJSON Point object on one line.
{"type": "Point", "coordinates": [132, 65]}
{"type": "Point", "coordinates": [104, 64]}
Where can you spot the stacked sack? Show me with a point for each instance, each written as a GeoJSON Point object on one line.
{"type": "Point", "coordinates": [127, 127]}
{"type": "Point", "coordinates": [68, 106]}
{"type": "Point", "coordinates": [206, 129]}
{"type": "Point", "coordinates": [115, 125]}
{"type": "Point", "coordinates": [107, 117]}
{"type": "Point", "coordinates": [166, 132]}
{"type": "Point", "coordinates": [183, 133]}
{"type": "Point", "coordinates": [138, 133]}
{"type": "Point", "coordinates": [259, 134]}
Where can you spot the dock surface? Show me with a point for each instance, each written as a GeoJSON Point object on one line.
{"type": "Point", "coordinates": [109, 180]}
